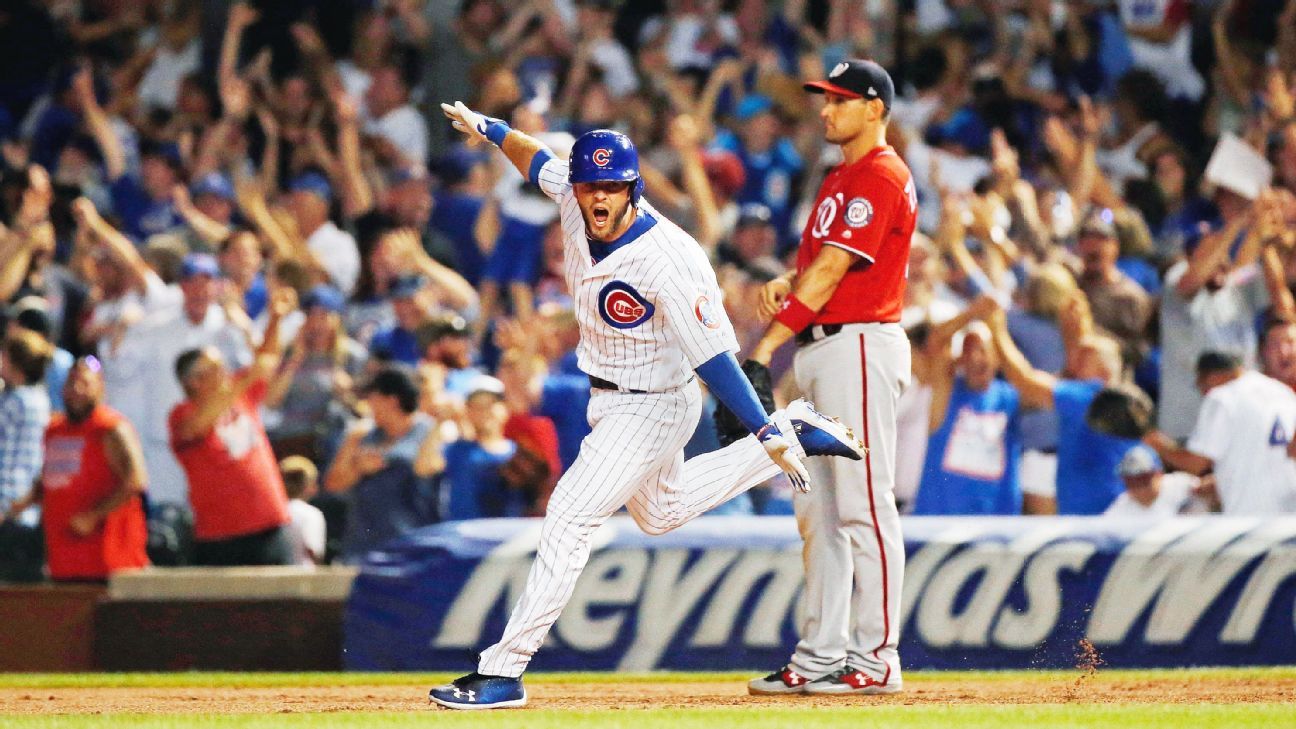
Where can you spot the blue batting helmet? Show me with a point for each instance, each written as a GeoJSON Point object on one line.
{"type": "Point", "coordinates": [606, 156]}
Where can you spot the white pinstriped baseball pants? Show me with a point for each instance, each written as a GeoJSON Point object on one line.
{"type": "Point", "coordinates": [634, 457]}
{"type": "Point", "coordinates": [854, 551]}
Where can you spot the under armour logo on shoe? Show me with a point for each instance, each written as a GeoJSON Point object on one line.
{"type": "Point", "coordinates": [792, 678]}
{"type": "Point", "coordinates": [859, 680]}
{"type": "Point", "coordinates": [472, 695]}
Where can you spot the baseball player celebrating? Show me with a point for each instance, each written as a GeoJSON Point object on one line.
{"type": "Point", "coordinates": [650, 316]}
{"type": "Point", "coordinates": [843, 306]}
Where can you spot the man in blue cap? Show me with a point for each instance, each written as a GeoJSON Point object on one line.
{"type": "Point", "coordinates": [334, 249]}
{"type": "Point", "coordinates": [651, 320]}
{"type": "Point", "coordinates": [140, 197]}
{"type": "Point", "coordinates": [207, 208]}
{"type": "Point", "coordinates": [769, 159]}
{"type": "Point", "coordinates": [398, 343]}
{"type": "Point", "coordinates": [1150, 491]}
{"type": "Point", "coordinates": [143, 201]}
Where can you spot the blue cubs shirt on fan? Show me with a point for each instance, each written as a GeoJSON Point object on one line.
{"type": "Point", "coordinates": [972, 459]}
{"type": "Point", "coordinates": [454, 215]}
{"type": "Point", "coordinates": [770, 177]}
{"type": "Point", "coordinates": [564, 399]}
{"type": "Point", "coordinates": [395, 345]}
{"type": "Point", "coordinates": [141, 215]}
{"type": "Point", "coordinates": [1086, 472]}
{"type": "Point", "coordinates": [474, 487]}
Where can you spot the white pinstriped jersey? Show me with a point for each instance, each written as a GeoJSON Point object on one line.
{"type": "Point", "coordinates": [651, 311]}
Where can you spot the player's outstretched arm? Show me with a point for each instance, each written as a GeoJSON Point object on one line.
{"type": "Point", "coordinates": [527, 153]}
{"type": "Point", "coordinates": [731, 387]}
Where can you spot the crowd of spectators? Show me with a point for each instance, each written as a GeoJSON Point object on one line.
{"type": "Point", "coordinates": [247, 225]}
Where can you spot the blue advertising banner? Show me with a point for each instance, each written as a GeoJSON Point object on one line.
{"type": "Point", "coordinates": [721, 593]}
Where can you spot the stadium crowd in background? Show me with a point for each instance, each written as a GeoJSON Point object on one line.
{"type": "Point", "coordinates": [1107, 196]}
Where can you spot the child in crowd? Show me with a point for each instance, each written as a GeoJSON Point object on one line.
{"type": "Point", "coordinates": [301, 480]}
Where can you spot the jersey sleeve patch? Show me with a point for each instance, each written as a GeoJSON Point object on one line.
{"type": "Point", "coordinates": [859, 212]}
{"type": "Point", "coordinates": [705, 312]}
{"type": "Point", "coordinates": [622, 307]}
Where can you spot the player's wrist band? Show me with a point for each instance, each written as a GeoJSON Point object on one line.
{"type": "Point", "coordinates": [765, 430]}
{"type": "Point", "coordinates": [795, 315]}
{"type": "Point", "coordinates": [496, 131]}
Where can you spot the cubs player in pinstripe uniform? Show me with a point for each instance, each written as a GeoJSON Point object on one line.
{"type": "Point", "coordinates": [650, 317]}
{"type": "Point", "coordinates": [842, 304]}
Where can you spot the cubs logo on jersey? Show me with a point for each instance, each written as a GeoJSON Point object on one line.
{"type": "Point", "coordinates": [705, 313]}
{"type": "Point", "coordinates": [622, 307]}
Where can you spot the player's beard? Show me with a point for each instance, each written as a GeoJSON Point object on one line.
{"type": "Point", "coordinates": [615, 219]}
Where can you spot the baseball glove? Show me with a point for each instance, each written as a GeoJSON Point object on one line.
{"type": "Point", "coordinates": [728, 427]}
{"type": "Point", "coordinates": [1123, 411]}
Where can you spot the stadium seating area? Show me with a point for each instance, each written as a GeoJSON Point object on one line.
{"type": "Point", "coordinates": [1107, 198]}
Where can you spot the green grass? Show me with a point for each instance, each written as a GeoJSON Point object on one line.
{"type": "Point", "coordinates": [1260, 716]}
{"type": "Point", "coordinates": [271, 680]}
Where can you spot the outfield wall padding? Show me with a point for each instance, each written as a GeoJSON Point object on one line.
{"type": "Point", "coordinates": [218, 635]}
{"type": "Point", "coordinates": [721, 593]}
{"type": "Point", "coordinates": [47, 627]}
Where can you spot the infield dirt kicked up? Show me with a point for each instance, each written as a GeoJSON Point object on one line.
{"type": "Point", "coordinates": [106, 694]}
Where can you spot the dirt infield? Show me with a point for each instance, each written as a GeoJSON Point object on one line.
{"type": "Point", "coordinates": [556, 695]}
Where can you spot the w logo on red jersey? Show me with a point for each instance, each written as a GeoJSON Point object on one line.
{"type": "Point", "coordinates": [622, 307]}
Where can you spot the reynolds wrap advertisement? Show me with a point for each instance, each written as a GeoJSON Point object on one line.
{"type": "Point", "coordinates": [721, 593]}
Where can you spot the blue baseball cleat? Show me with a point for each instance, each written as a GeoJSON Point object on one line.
{"type": "Point", "coordinates": [479, 691]}
{"type": "Point", "coordinates": [821, 435]}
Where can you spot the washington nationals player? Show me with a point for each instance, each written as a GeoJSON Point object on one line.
{"type": "Point", "coordinates": [650, 315]}
{"type": "Point", "coordinates": [843, 306]}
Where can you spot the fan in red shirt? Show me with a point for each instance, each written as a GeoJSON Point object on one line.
{"type": "Point", "coordinates": [90, 486]}
{"type": "Point", "coordinates": [239, 503]}
{"type": "Point", "coordinates": [537, 465]}
{"type": "Point", "coordinates": [842, 304]}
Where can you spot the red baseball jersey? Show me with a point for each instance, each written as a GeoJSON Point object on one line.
{"type": "Point", "coordinates": [868, 208]}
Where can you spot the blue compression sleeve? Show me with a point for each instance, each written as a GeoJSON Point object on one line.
{"type": "Point", "coordinates": [496, 130]}
{"type": "Point", "coordinates": [541, 157]}
{"type": "Point", "coordinates": [722, 374]}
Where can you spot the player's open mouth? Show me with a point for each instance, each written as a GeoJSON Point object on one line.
{"type": "Point", "coordinates": [600, 215]}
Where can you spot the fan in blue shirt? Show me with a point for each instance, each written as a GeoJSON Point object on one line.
{"type": "Point", "coordinates": [1086, 472]}
{"type": "Point", "coordinates": [973, 455]}
{"type": "Point", "coordinates": [770, 160]}
{"type": "Point", "coordinates": [474, 487]}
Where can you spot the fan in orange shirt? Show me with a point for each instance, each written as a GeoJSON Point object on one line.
{"type": "Point", "coordinates": [91, 485]}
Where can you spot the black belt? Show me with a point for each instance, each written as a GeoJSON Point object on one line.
{"type": "Point", "coordinates": [602, 384]}
{"type": "Point", "coordinates": [814, 333]}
